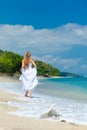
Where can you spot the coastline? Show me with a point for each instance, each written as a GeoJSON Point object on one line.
{"type": "Point", "coordinates": [10, 121]}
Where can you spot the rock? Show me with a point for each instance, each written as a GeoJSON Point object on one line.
{"type": "Point", "coordinates": [51, 113]}
{"type": "Point", "coordinates": [63, 120]}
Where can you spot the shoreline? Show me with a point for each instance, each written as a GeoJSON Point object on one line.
{"type": "Point", "coordinates": [9, 79]}
{"type": "Point", "coordinates": [10, 121]}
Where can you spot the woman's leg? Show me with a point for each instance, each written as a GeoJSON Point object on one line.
{"type": "Point", "coordinates": [30, 94]}
{"type": "Point", "coordinates": [26, 93]}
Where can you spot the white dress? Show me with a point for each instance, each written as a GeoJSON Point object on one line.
{"type": "Point", "coordinates": [29, 78]}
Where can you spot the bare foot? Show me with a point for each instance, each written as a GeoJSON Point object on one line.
{"type": "Point", "coordinates": [28, 96]}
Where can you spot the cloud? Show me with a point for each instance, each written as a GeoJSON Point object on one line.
{"type": "Point", "coordinates": [68, 64]}
{"type": "Point", "coordinates": [46, 44]}
{"type": "Point", "coordinates": [19, 38]}
{"type": "Point", "coordinates": [65, 64]}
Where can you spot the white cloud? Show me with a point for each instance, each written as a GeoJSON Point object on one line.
{"type": "Point", "coordinates": [63, 64]}
{"type": "Point", "coordinates": [45, 41]}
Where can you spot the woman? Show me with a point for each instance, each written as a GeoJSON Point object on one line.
{"type": "Point", "coordinates": [28, 77]}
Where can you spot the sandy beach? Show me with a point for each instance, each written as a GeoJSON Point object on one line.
{"type": "Point", "coordinates": [14, 122]}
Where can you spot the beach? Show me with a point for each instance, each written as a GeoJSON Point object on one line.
{"type": "Point", "coordinates": [13, 122]}
{"type": "Point", "coordinates": [10, 121]}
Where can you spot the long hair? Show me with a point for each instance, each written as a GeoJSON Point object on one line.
{"type": "Point", "coordinates": [27, 59]}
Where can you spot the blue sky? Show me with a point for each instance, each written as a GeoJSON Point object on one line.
{"type": "Point", "coordinates": [54, 31]}
{"type": "Point", "coordinates": [43, 13]}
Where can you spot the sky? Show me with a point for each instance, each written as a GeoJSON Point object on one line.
{"type": "Point", "coordinates": [54, 31]}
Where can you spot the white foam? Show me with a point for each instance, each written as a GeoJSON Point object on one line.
{"type": "Point", "coordinates": [68, 109]}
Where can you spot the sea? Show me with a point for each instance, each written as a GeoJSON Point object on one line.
{"type": "Point", "coordinates": [65, 95]}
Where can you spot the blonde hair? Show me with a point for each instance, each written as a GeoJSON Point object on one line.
{"type": "Point", "coordinates": [27, 59]}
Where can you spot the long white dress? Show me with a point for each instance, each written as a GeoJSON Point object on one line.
{"type": "Point", "coordinates": [29, 78]}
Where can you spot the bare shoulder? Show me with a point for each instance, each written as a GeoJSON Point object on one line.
{"type": "Point", "coordinates": [31, 60]}
{"type": "Point", "coordinates": [22, 60]}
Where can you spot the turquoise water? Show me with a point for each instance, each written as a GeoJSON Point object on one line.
{"type": "Point", "coordinates": [75, 88]}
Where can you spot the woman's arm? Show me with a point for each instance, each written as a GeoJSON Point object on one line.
{"type": "Point", "coordinates": [32, 61]}
{"type": "Point", "coordinates": [22, 66]}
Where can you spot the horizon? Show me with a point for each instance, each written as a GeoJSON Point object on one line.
{"type": "Point", "coordinates": [54, 31]}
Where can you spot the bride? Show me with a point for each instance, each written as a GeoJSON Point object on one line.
{"type": "Point", "coordinates": [28, 76]}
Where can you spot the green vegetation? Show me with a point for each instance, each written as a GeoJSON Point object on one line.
{"type": "Point", "coordinates": [46, 69]}
{"type": "Point", "coordinates": [10, 63]}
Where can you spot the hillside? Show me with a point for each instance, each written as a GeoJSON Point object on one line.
{"type": "Point", "coordinates": [10, 63]}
